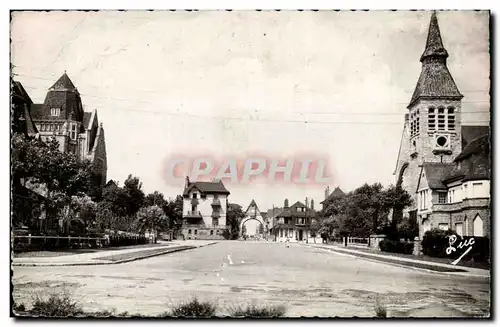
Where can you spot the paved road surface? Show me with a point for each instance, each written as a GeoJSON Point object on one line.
{"type": "Point", "coordinates": [310, 282]}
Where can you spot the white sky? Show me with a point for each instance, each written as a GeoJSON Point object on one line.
{"type": "Point", "coordinates": [163, 82]}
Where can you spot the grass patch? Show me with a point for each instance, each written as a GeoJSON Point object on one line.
{"type": "Point", "coordinates": [55, 306]}
{"type": "Point", "coordinates": [193, 308]}
{"type": "Point", "coordinates": [256, 311]}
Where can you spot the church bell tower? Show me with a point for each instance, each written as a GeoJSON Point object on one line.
{"type": "Point", "coordinates": [434, 121]}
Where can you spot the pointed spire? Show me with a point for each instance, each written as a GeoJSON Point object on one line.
{"type": "Point", "coordinates": [435, 80]}
{"type": "Point", "coordinates": [64, 83]}
{"type": "Point", "coordinates": [434, 46]}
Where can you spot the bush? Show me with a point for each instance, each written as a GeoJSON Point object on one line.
{"type": "Point", "coordinates": [193, 308]}
{"type": "Point", "coordinates": [435, 242]}
{"type": "Point", "coordinates": [394, 246]}
{"type": "Point", "coordinates": [380, 311]}
{"type": "Point", "coordinates": [55, 306]}
{"type": "Point", "coordinates": [255, 311]}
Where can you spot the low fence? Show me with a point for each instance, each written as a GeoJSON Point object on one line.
{"type": "Point", "coordinates": [22, 243]}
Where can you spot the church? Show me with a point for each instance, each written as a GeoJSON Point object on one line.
{"type": "Point", "coordinates": [444, 165]}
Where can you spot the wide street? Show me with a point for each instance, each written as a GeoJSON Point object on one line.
{"type": "Point", "coordinates": [308, 281]}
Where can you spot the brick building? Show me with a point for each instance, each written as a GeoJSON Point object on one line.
{"type": "Point", "coordinates": [442, 164]}
{"type": "Point", "coordinates": [61, 116]}
{"type": "Point", "coordinates": [204, 210]}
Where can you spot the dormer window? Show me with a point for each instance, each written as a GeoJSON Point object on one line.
{"type": "Point", "coordinates": [55, 112]}
{"type": "Point", "coordinates": [195, 195]}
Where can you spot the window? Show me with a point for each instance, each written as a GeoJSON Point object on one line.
{"type": "Point", "coordinates": [465, 191]}
{"type": "Point", "coordinates": [441, 119]}
{"type": "Point", "coordinates": [286, 232]}
{"type": "Point", "coordinates": [451, 118]}
{"type": "Point", "coordinates": [195, 195]}
{"type": "Point", "coordinates": [459, 229]}
{"type": "Point", "coordinates": [442, 198]}
{"type": "Point", "coordinates": [193, 208]}
{"type": "Point", "coordinates": [189, 231]}
{"type": "Point", "coordinates": [195, 231]}
{"type": "Point", "coordinates": [73, 132]}
{"type": "Point", "coordinates": [476, 189]}
{"type": "Point", "coordinates": [217, 232]}
{"type": "Point", "coordinates": [432, 119]}
{"type": "Point", "coordinates": [443, 226]}
{"type": "Point", "coordinates": [216, 196]}
{"type": "Point", "coordinates": [215, 221]}
{"type": "Point", "coordinates": [212, 232]}
{"type": "Point", "coordinates": [55, 112]}
{"type": "Point", "coordinates": [281, 233]}
{"type": "Point", "coordinates": [414, 123]}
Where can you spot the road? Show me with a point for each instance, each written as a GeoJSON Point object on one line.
{"type": "Point", "coordinates": [309, 281]}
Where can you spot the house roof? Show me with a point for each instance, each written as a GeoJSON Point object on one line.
{"type": "Point", "coordinates": [292, 212]}
{"type": "Point", "coordinates": [207, 187]}
{"type": "Point", "coordinates": [435, 79]}
{"type": "Point", "coordinates": [470, 133]}
{"type": "Point", "coordinates": [435, 173]}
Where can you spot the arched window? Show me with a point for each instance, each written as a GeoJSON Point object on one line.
{"type": "Point", "coordinates": [478, 226]}
{"type": "Point", "coordinates": [451, 118]}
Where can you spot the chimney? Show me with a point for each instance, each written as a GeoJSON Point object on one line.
{"type": "Point", "coordinates": [286, 203]}
{"type": "Point", "coordinates": [187, 182]}
{"type": "Point", "coordinates": [312, 204]}
{"type": "Point", "coordinates": [327, 192]}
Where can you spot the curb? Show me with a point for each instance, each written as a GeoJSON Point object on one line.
{"type": "Point", "coordinates": [87, 263]}
{"type": "Point", "coordinates": [457, 272]}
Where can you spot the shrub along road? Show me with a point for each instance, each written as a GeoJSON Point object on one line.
{"type": "Point", "coordinates": [309, 281]}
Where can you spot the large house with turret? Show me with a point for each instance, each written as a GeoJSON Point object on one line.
{"type": "Point", "coordinates": [443, 164]}
{"type": "Point", "coordinates": [61, 116]}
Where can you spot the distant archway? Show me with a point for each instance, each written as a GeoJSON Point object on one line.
{"type": "Point", "coordinates": [243, 221]}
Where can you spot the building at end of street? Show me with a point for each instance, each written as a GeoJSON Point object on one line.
{"type": "Point", "coordinates": [204, 210]}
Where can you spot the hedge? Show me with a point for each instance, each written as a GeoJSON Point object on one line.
{"type": "Point", "coordinates": [436, 241]}
{"type": "Point", "coordinates": [395, 246]}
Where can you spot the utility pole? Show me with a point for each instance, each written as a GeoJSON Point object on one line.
{"type": "Point", "coordinates": [307, 234]}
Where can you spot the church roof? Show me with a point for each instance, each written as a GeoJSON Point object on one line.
{"type": "Point", "coordinates": [480, 146]}
{"type": "Point", "coordinates": [435, 79]}
{"type": "Point", "coordinates": [470, 133]}
{"type": "Point", "coordinates": [86, 119]}
{"type": "Point", "coordinates": [337, 193]}
{"type": "Point", "coordinates": [64, 83]}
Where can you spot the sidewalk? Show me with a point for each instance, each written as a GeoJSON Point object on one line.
{"type": "Point", "coordinates": [112, 256]}
{"type": "Point", "coordinates": [435, 267]}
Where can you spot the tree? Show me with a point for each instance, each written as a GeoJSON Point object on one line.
{"type": "Point", "coordinates": [149, 218]}
{"type": "Point", "coordinates": [85, 209]}
{"type": "Point", "coordinates": [57, 175]}
{"type": "Point", "coordinates": [133, 188]}
{"type": "Point", "coordinates": [155, 198]}
{"type": "Point", "coordinates": [234, 216]}
{"type": "Point", "coordinates": [173, 210]}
